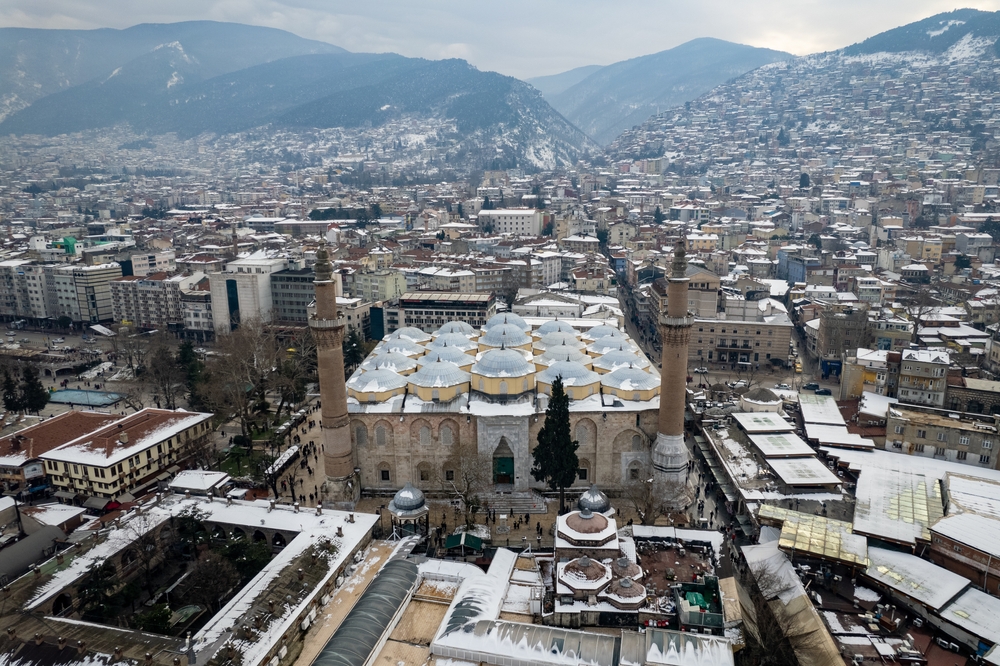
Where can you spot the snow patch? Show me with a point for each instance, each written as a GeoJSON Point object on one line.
{"type": "Point", "coordinates": [945, 25]}
{"type": "Point", "coordinates": [969, 47]}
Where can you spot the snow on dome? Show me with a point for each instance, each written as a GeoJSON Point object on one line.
{"type": "Point", "coordinates": [619, 358]}
{"type": "Point", "coordinates": [559, 339]}
{"type": "Point", "coordinates": [409, 333]}
{"type": "Point", "coordinates": [390, 361]}
{"type": "Point", "coordinates": [556, 326]}
{"type": "Point", "coordinates": [502, 363]}
{"type": "Point", "coordinates": [505, 335]}
{"type": "Point", "coordinates": [603, 331]}
{"type": "Point", "coordinates": [452, 340]}
{"type": "Point", "coordinates": [449, 354]}
{"type": "Point", "coordinates": [402, 346]}
{"type": "Point", "coordinates": [506, 318]}
{"type": "Point", "coordinates": [438, 375]}
{"type": "Point", "coordinates": [376, 381]}
{"type": "Point", "coordinates": [407, 498]}
{"type": "Point", "coordinates": [594, 500]}
{"type": "Point", "coordinates": [630, 379]}
{"type": "Point", "coordinates": [573, 373]}
{"type": "Point", "coordinates": [462, 327]}
{"type": "Point", "coordinates": [761, 394]}
{"type": "Point", "coordinates": [562, 353]}
{"type": "Point", "coordinates": [609, 343]}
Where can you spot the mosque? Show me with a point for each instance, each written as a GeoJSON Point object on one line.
{"type": "Point", "coordinates": [420, 401]}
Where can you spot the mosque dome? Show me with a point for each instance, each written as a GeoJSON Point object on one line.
{"type": "Point", "coordinates": [402, 346]}
{"type": "Point", "coordinates": [376, 381]}
{"type": "Point", "coordinates": [449, 354]}
{"type": "Point", "coordinates": [390, 361]}
{"type": "Point", "coordinates": [462, 327]}
{"type": "Point", "coordinates": [630, 379]}
{"type": "Point", "coordinates": [559, 339]}
{"type": "Point", "coordinates": [556, 326]}
{"type": "Point", "coordinates": [409, 333]}
{"type": "Point", "coordinates": [504, 335]}
{"type": "Point", "coordinates": [619, 358]}
{"type": "Point", "coordinates": [440, 374]}
{"type": "Point", "coordinates": [603, 331]}
{"type": "Point", "coordinates": [407, 500]}
{"type": "Point", "coordinates": [506, 318]}
{"type": "Point", "coordinates": [502, 363]}
{"type": "Point", "coordinates": [594, 500]}
{"type": "Point", "coordinates": [573, 373]}
{"type": "Point", "coordinates": [562, 353]}
{"type": "Point", "coordinates": [609, 343]}
{"type": "Point", "coordinates": [455, 340]}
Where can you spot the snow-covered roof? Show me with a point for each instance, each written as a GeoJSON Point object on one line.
{"type": "Point", "coordinates": [802, 472]}
{"type": "Point", "coordinates": [915, 577]}
{"type": "Point", "coordinates": [502, 363]}
{"type": "Point", "coordinates": [506, 318]}
{"type": "Point", "coordinates": [458, 341]}
{"type": "Point", "coordinates": [439, 374]}
{"type": "Point", "coordinates": [505, 335]}
{"type": "Point", "coordinates": [896, 505]}
{"type": "Point", "coordinates": [376, 381]}
{"type": "Point", "coordinates": [572, 373]}
{"type": "Point", "coordinates": [976, 612]}
{"type": "Point", "coordinates": [781, 445]}
{"type": "Point", "coordinates": [390, 361]}
{"type": "Point", "coordinates": [979, 532]}
{"type": "Point", "coordinates": [819, 409]}
{"type": "Point", "coordinates": [197, 480]}
{"type": "Point", "coordinates": [630, 379]}
{"type": "Point", "coordinates": [762, 422]}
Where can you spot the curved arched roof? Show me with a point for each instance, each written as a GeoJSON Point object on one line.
{"type": "Point", "coordinates": [619, 358]}
{"type": "Point", "coordinates": [361, 631]}
{"type": "Point", "coordinates": [603, 331]}
{"type": "Point", "coordinates": [630, 379]}
{"type": "Point", "coordinates": [449, 354]}
{"type": "Point", "coordinates": [462, 327]}
{"type": "Point", "coordinates": [376, 381]}
{"type": "Point", "coordinates": [439, 374]}
{"type": "Point", "coordinates": [504, 335]}
{"type": "Point", "coordinates": [573, 373]}
{"type": "Point", "coordinates": [409, 333]}
{"type": "Point", "coordinates": [556, 326]}
{"type": "Point", "coordinates": [389, 360]}
{"type": "Point", "coordinates": [506, 318]}
{"type": "Point", "coordinates": [453, 340]}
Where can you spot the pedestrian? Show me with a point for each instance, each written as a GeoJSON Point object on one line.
{"type": "Point", "coordinates": [538, 528]}
{"type": "Point", "coordinates": [527, 519]}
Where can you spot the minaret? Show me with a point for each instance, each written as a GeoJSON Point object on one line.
{"type": "Point", "coordinates": [328, 331]}
{"type": "Point", "coordinates": [670, 454]}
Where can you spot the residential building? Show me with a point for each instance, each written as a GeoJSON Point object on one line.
{"type": "Point", "coordinates": [428, 311]}
{"type": "Point", "coordinates": [746, 344]}
{"type": "Point", "coordinates": [196, 305]}
{"type": "Point", "coordinates": [922, 374]}
{"type": "Point", "coordinates": [935, 433]}
{"type": "Point", "coordinates": [83, 293]}
{"type": "Point", "coordinates": [161, 262]}
{"type": "Point", "coordinates": [152, 301]}
{"type": "Point", "coordinates": [118, 460]}
{"type": "Point", "coordinates": [378, 285]}
{"type": "Point", "coordinates": [292, 290]}
{"type": "Point", "coordinates": [243, 291]}
{"type": "Point", "coordinates": [514, 221]}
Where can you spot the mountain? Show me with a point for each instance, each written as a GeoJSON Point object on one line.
{"type": "Point", "coordinates": [959, 29]}
{"type": "Point", "coordinates": [479, 118]}
{"type": "Point", "coordinates": [556, 83]}
{"type": "Point", "coordinates": [619, 96]}
{"type": "Point", "coordinates": [36, 63]}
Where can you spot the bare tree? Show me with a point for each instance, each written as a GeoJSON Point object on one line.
{"type": "Point", "coordinates": [919, 301]}
{"type": "Point", "coordinates": [145, 550]}
{"type": "Point", "coordinates": [652, 496]}
{"type": "Point", "coordinates": [766, 639]}
{"type": "Point", "coordinates": [162, 374]}
{"type": "Point", "coordinates": [211, 579]}
{"type": "Point", "coordinates": [467, 474]}
{"type": "Point", "coordinates": [130, 347]}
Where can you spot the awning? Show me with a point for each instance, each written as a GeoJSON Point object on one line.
{"type": "Point", "coordinates": [96, 503]}
{"type": "Point", "coordinates": [65, 494]}
{"type": "Point", "coordinates": [163, 477]}
{"type": "Point", "coordinates": [103, 330]}
{"type": "Point", "coordinates": [463, 539]}
{"type": "Point", "coordinates": [173, 469]}
{"type": "Point", "coordinates": [126, 497]}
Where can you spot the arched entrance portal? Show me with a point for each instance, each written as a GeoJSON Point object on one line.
{"type": "Point", "coordinates": [503, 463]}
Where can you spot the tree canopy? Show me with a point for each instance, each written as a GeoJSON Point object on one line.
{"type": "Point", "coordinates": [555, 461]}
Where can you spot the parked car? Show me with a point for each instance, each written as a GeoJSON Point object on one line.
{"type": "Point", "coordinates": [811, 386]}
{"type": "Point", "coordinates": [57, 340]}
{"type": "Point", "coordinates": [782, 387]}
{"type": "Point", "coordinates": [701, 371]}
{"type": "Point", "coordinates": [739, 384]}
{"type": "Point", "coordinates": [824, 391]}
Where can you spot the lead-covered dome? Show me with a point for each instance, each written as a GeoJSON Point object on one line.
{"type": "Point", "coordinates": [609, 343]}
{"type": "Point", "coordinates": [603, 331]}
{"type": "Point", "coordinates": [390, 361]}
{"type": "Point", "coordinates": [449, 354]}
{"type": "Point", "coordinates": [408, 501]}
{"type": "Point", "coordinates": [402, 346]}
{"type": "Point", "coordinates": [559, 339]}
{"type": "Point", "coordinates": [504, 335]}
{"type": "Point", "coordinates": [409, 333]}
{"type": "Point", "coordinates": [452, 340]}
{"type": "Point", "coordinates": [440, 374]}
{"type": "Point", "coordinates": [506, 318]}
{"type": "Point", "coordinates": [630, 379]}
{"type": "Point", "coordinates": [556, 326]}
{"type": "Point", "coordinates": [502, 363]}
{"type": "Point", "coordinates": [376, 381]}
{"type": "Point", "coordinates": [562, 353]}
{"type": "Point", "coordinates": [619, 358]}
{"type": "Point", "coordinates": [572, 373]}
{"type": "Point", "coordinates": [593, 500]}
{"type": "Point", "coordinates": [461, 327]}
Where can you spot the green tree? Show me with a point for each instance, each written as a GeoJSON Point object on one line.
{"type": "Point", "coordinates": [376, 211]}
{"type": "Point", "coordinates": [354, 350]}
{"type": "Point", "coordinates": [362, 217]}
{"type": "Point", "coordinates": [95, 593]}
{"type": "Point", "coordinates": [461, 213]}
{"type": "Point", "coordinates": [555, 461]}
{"type": "Point", "coordinates": [991, 227]}
{"type": "Point", "coordinates": [783, 139]}
{"type": "Point", "coordinates": [64, 322]}
{"type": "Point", "coordinates": [962, 261]}
{"type": "Point", "coordinates": [816, 241]}
{"type": "Point", "coordinates": [803, 181]}
{"type": "Point", "coordinates": [34, 396]}
{"type": "Point", "coordinates": [12, 399]}
{"type": "Point", "coordinates": [487, 204]}
{"type": "Point", "coordinates": [658, 216]}
{"type": "Point", "coordinates": [602, 236]}
{"type": "Point", "coordinates": [156, 620]}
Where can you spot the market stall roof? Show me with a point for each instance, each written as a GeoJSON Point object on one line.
{"type": "Point", "coordinates": [836, 435]}
{"type": "Point", "coordinates": [896, 505]}
{"type": "Point", "coordinates": [976, 612]}
{"type": "Point", "coordinates": [761, 422]}
{"type": "Point", "coordinates": [816, 535]}
{"type": "Point", "coordinates": [781, 445]}
{"type": "Point", "coordinates": [819, 409]}
{"type": "Point", "coordinates": [915, 577]}
{"type": "Point", "coordinates": [978, 532]}
{"type": "Point", "coordinates": [802, 472]}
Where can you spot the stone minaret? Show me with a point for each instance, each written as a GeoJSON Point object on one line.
{"type": "Point", "coordinates": [328, 330]}
{"type": "Point", "coordinates": [670, 454]}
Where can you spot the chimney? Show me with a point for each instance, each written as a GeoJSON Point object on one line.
{"type": "Point", "coordinates": [119, 653]}
{"type": "Point", "coordinates": [38, 638]}
{"type": "Point", "coordinates": [11, 633]}
{"type": "Point", "coordinates": [319, 509]}
{"type": "Point", "coordinates": [300, 574]}
{"type": "Point", "coordinates": [296, 507]}
{"type": "Point", "coordinates": [61, 642]}
{"type": "Point", "coordinates": [123, 438]}
{"type": "Point", "coordinates": [81, 648]}
{"type": "Point", "coordinates": [270, 506]}
{"type": "Point", "coordinates": [149, 659]}
{"type": "Point", "coordinates": [340, 531]}
{"type": "Point", "coordinates": [229, 501]}
{"type": "Point", "coordinates": [350, 517]}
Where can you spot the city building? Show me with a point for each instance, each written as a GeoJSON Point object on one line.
{"type": "Point", "coordinates": [966, 438]}
{"type": "Point", "coordinates": [151, 301]}
{"type": "Point", "coordinates": [429, 311]}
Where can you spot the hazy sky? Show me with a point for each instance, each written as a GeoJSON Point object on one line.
{"type": "Point", "coordinates": [516, 37]}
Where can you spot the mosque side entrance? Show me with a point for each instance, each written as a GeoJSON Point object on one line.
{"type": "Point", "coordinates": [503, 464]}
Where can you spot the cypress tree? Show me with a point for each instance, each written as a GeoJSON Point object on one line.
{"type": "Point", "coordinates": [555, 461]}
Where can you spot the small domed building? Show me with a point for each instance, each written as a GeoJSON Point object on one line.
{"type": "Point", "coordinates": [408, 511]}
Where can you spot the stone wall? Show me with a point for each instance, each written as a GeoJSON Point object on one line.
{"type": "Point", "coordinates": [416, 447]}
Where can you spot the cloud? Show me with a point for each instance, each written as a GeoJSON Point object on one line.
{"type": "Point", "coordinates": [514, 37]}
